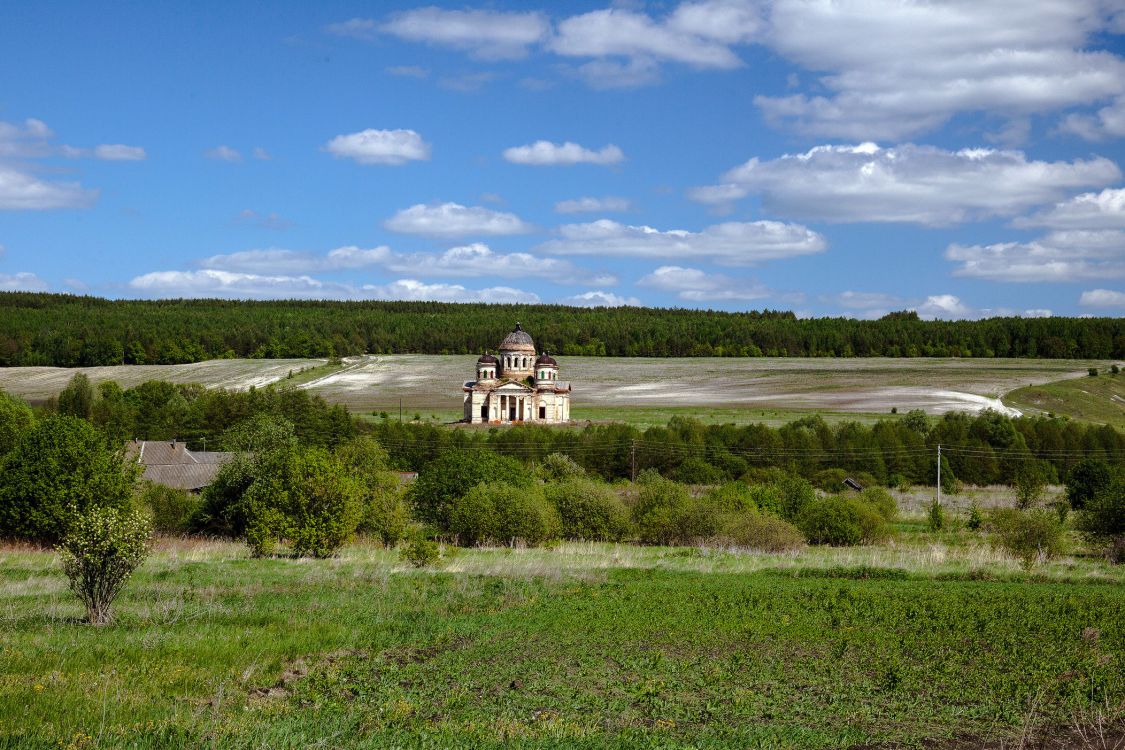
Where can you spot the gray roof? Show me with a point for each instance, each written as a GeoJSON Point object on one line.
{"type": "Point", "coordinates": [518, 340]}
{"type": "Point", "coordinates": [182, 476]}
{"type": "Point", "coordinates": [169, 462]}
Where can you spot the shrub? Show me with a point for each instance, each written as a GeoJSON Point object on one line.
{"type": "Point", "coordinates": [1030, 481]}
{"type": "Point", "coordinates": [882, 501]}
{"type": "Point", "coordinates": [796, 493]}
{"type": "Point", "coordinates": [975, 519]}
{"type": "Point", "coordinates": [1089, 477]}
{"type": "Point", "coordinates": [504, 513]}
{"type": "Point", "coordinates": [450, 476]}
{"type": "Point", "coordinates": [660, 511]}
{"type": "Point", "coordinates": [305, 497]}
{"type": "Point", "coordinates": [420, 551]}
{"type": "Point", "coordinates": [696, 470]}
{"type": "Point", "coordinates": [842, 521]}
{"type": "Point", "coordinates": [1092, 372]}
{"type": "Point", "coordinates": [829, 480]}
{"type": "Point", "coordinates": [936, 516]}
{"type": "Point", "coordinates": [16, 419]}
{"type": "Point", "coordinates": [760, 531]}
{"type": "Point", "coordinates": [61, 467]}
{"type": "Point", "coordinates": [172, 509]}
{"type": "Point", "coordinates": [738, 497]}
{"type": "Point", "coordinates": [589, 510]}
{"type": "Point", "coordinates": [1033, 536]}
{"type": "Point", "coordinates": [558, 467]}
{"type": "Point", "coordinates": [101, 549]}
{"type": "Point", "coordinates": [385, 512]}
{"type": "Point", "coordinates": [1102, 520]}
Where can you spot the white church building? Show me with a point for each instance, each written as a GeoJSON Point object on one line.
{"type": "Point", "coordinates": [515, 385]}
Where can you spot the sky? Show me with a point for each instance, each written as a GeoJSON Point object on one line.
{"type": "Point", "coordinates": [961, 158]}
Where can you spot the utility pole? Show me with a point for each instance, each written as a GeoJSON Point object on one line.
{"type": "Point", "coordinates": [400, 409]}
{"type": "Point", "coordinates": [633, 459]}
{"type": "Point", "coordinates": [939, 473]}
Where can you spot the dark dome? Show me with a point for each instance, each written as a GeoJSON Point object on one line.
{"type": "Point", "coordinates": [517, 341]}
{"type": "Point", "coordinates": [487, 359]}
{"type": "Point", "coordinates": [546, 360]}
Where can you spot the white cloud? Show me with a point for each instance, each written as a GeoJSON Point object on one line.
{"type": "Point", "coordinates": [412, 289]}
{"type": "Point", "coordinates": [614, 74]}
{"type": "Point", "coordinates": [1102, 298]}
{"type": "Point", "coordinates": [908, 183]}
{"type": "Point", "coordinates": [380, 146]}
{"type": "Point", "coordinates": [1104, 210]}
{"type": "Point", "coordinates": [695, 285]}
{"type": "Point", "coordinates": [950, 307]}
{"type": "Point", "coordinates": [484, 34]}
{"type": "Point", "coordinates": [31, 141]}
{"type": "Point", "coordinates": [364, 29]}
{"type": "Point", "coordinates": [228, 284]}
{"type": "Point", "coordinates": [600, 298]}
{"type": "Point", "coordinates": [593, 205]}
{"type": "Point", "coordinates": [276, 261]}
{"type": "Point", "coordinates": [261, 154]}
{"type": "Point", "coordinates": [119, 152]}
{"type": "Point", "coordinates": [545, 153]}
{"type": "Point", "coordinates": [21, 282]}
{"type": "Point", "coordinates": [467, 83]}
{"type": "Point", "coordinates": [1070, 255]}
{"type": "Point", "coordinates": [866, 300]}
{"type": "Point", "coordinates": [892, 69]}
{"type": "Point", "coordinates": [455, 220]}
{"type": "Point", "coordinates": [407, 71]}
{"type": "Point", "coordinates": [20, 191]}
{"type": "Point", "coordinates": [1107, 122]}
{"type": "Point", "coordinates": [731, 243]}
{"type": "Point", "coordinates": [223, 153]}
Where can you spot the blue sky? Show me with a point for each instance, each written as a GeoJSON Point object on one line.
{"type": "Point", "coordinates": [962, 159]}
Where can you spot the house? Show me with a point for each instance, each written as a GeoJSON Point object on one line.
{"type": "Point", "coordinates": [170, 463]}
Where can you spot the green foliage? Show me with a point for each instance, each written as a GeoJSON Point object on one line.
{"type": "Point", "coordinates": [661, 510]}
{"type": "Point", "coordinates": [101, 549]}
{"type": "Point", "coordinates": [60, 468]}
{"type": "Point", "coordinates": [840, 521]}
{"type": "Point", "coordinates": [504, 514]}
{"type": "Point", "coordinates": [829, 480]}
{"type": "Point", "coordinates": [696, 470]}
{"type": "Point", "coordinates": [16, 419]}
{"type": "Point", "coordinates": [77, 399]}
{"type": "Point", "coordinates": [760, 531]}
{"type": "Point", "coordinates": [1092, 372]}
{"type": "Point", "coordinates": [305, 497]}
{"type": "Point", "coordinates": [589, 510]}
{"type": "Point", "coordinates": [1030, 483]}
{"type": "Point", "coordinates": [975, 518]}
{"type": "Point", "coordinates": [386, 514]}
{"type": "Point", "coordinates": [419, 550]}
{"type": "Point", "coordinates": [173, 510]}
{"type": "Point", "coordinates": [559, 467]}
{"type": "Point", "coordinates": [1033, 536]}
{"type": "Point", "coordinates": [1087, 479]}
{"type": "Point", "coordinates": [796, 493]}
{"type": "Point", "coordinates": [450, 476]}
{"type": "Point", "coordinates": [738, 497]}
{"type": "Point", "coordinates": [935, 516]}
{"type": "Point", "coordinates": [882, 501]}
{"type": "Point", "coordinates": [1102, 518]}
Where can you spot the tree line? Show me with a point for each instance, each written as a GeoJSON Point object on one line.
{"type": "Point", "coordinates": [73, 331]}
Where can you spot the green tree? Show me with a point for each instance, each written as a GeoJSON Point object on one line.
{"type": "Point", "coordinates": [450, 476]}
{"type": "Point", "coordinates": [100, 551]}
{"type": "Point", "coordinates": [16, 418]}
{"type": "Point", "coordinates": [504, 513]}
{"type": "Point", "coordinates": [1087, 479]}
{"type": "Point", "coordinates": [1030, 483]}
{"type": "Point", "coordinates": [385, 511]}
{"type": "Point", "coordinates": [1102, 519]}
{"type": "Point", "coordinates": [77, 399]}
{"type": "Point", "coordinates": [59, 469]}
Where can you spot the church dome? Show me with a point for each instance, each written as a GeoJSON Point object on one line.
{"type": "Point", "coordinates": [546, 360]}
{"type": "Point", "coordinates": [517, 341]}
{"type": "Point", "coordinates": [487, 359]}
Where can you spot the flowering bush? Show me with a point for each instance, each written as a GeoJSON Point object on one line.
{"type": "Point", "coordinates": [100, 551]}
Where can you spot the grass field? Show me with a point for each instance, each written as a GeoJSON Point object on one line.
{"type": "Point", "coordinates": [933, 640]}
{"type": "Point", "coordinates": [1092, 399]}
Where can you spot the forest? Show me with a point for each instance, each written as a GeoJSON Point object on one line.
{"type": "Point", "coordinates": [76, 331]}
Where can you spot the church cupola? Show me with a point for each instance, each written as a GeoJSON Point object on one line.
{"type": "Point", "coordinates": [487, 366]}
{"type": "Point", "coordinates": [517, 355]}
{"type": "Point", "coordinates": [546, 368]}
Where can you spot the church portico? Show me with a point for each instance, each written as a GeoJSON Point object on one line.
{"type": "Point", "coordinates": [517, 385]}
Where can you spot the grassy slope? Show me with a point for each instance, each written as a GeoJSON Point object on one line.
{"type": "Point", "coordinates": [1098, 399]}
{"type": "Point", "coordinates": [585, 645]}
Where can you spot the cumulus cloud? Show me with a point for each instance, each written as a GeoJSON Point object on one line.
{"type": "Point", "coordinates": [29, 141]}
{"type": "Point", "coordinates": [455, 220]}
{"type": "Point", "coordinates": [229, 284]}
{"type": "Point", "coordinates": [545, 153]}
{"type": "Point", "coordinates": [893, 69]}
{"type": "Point", "coordinates": [908, 183]}
{"type": "Point", "coordinates": [950, 307]}
{"type": "Point", "coordinates": [694, 285]}
{"type": "Point", "coordinates": [1104, 210]}
{"type": "Point", "coordinates": [412, 289]}
{"type": "Point", "coordinates": [21, 282]}
{"type": "Point", "coordinates": [731, 243]}
{"type": "Point", "coordinates": [223, 153]}
{"type": "Point", "coordinates": [1102, 298]}
{"type": "Point", "coordinates": [593, 205]}
{"type": "Point", "coordinates": [1070, 255]}
{"type": "Point", "coordinates": [372, 146]}
{"type": "Point", "coordinates": [22, 191]}
{"type": "Point", "coordinates": [1107, 122]}
{"type": "Point", "coordinates": [261, 154]}
{"type": "Point", "coordinates": [119, 152]}
{"type": "Point", "coordinates": [484, 34]}
{"type": "Point", "coordinates": [599, 298]}
{"type": "Point", "coordinates": [275, 261]}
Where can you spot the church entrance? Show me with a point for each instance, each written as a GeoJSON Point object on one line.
{"type": "Point", "coordinates": [542, 412]}
{"type": "Point", "coordinates": [484, 412]}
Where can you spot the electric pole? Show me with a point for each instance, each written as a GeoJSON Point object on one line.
{"type": "Point", "coordinates": [939, 473]}
{"type": "Point", "coordinates": [633, 459]}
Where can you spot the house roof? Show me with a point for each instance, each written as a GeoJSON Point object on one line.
{"type": "Point", "coordinates": [182, 476]}
{"type": "Point", "coordinates": [169, 462]}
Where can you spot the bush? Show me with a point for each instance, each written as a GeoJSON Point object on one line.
{"type": "Point", "coordinates": [936, 516]}
{"type": "Point", "coordinates": [420, 551]}
{"type": "Point", "coordinates": [796, 493]}
{"type": "Point", "coordinates": [882, 501]}
{"type": "Point", "coordinates": [1092, 372]}
{"type": "Point", "coordinates": [101, 549]}
{"type": "Point", "coordinates": [829, 480]}
{"type": "Point", "coordinates": [173, 510]}
{"type": "Point", "coordinates": [1030, 482]}
{"type": "Point", "coordinates": [739, 497]}
{"type": "Point", "coordinates": [16, 419]}
{"type": "Point", "coordinates": [760, 531]}
{"type": "Point", "coordinates": [307, 498]}
{"type": "Point", "coordinates": [696, 470]}
{"type": "Point", "coordinates": [1033, 536]}
{"type": "Point", "coordinates": [589, 510]}
{"type": "Point", "coordinates": [1102, 520]}
{"type": "Point", "coordinates": [842, 521]}
{"type": "Point", "coordinates": [385, 512]}
{"type": "Point", "coordinates": [450, 476]}
{"type": "Point", "coordinates": [660, 511]}
{"type": "Point", "coordinates": [1088, 478]}
{"type": "Point", "coordinates": [559, 467]}
{"type": "Point", "coordinates": [61, 467]}
{"type": "Point", "coordinates": [504, 513]}
{"type": "Point", "coordinates": [975, 519]}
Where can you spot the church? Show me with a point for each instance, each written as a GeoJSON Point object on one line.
{"type": "Point", "coordinates": [515, 385]}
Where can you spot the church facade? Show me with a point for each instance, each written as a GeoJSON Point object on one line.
{"type": "Point", "coordinates": [516, 385]}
